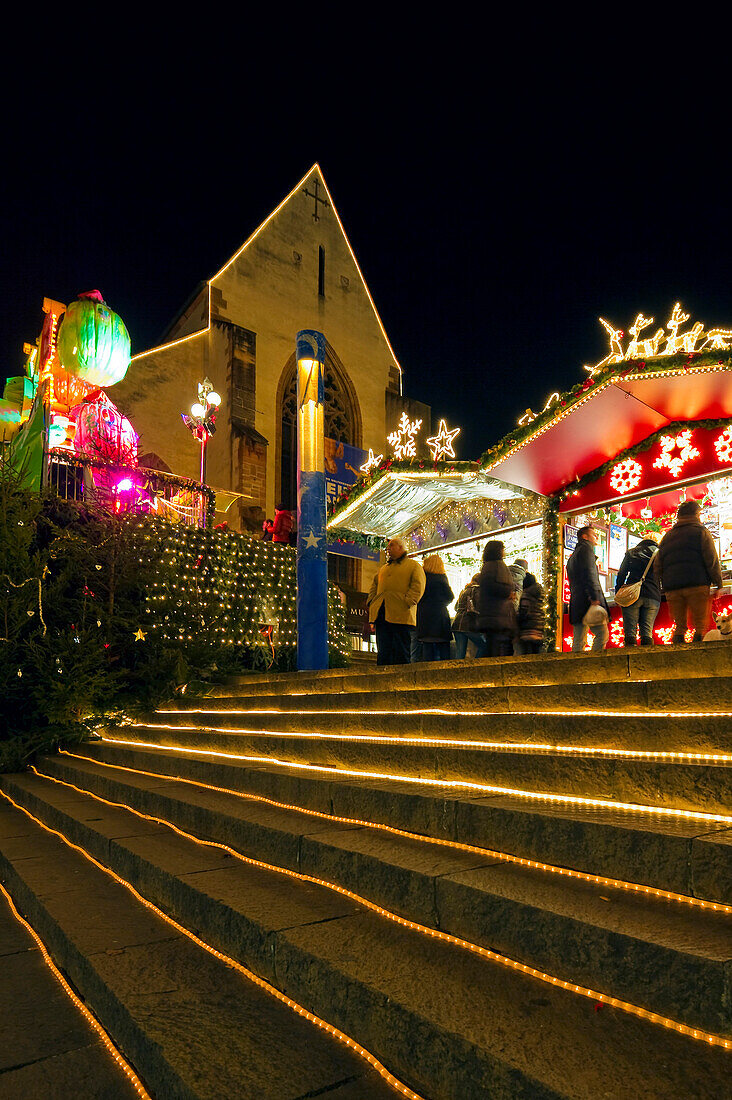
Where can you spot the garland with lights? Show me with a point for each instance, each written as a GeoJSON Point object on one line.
{"type": "Point", "coordinates": [626, 369]}
{"type": "Point", "coordinates": [644, 445]}
{"type": "Point", "coordinates": [403, 466]}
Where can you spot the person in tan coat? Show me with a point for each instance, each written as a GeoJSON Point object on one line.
{"type": "Point", "coordinates": [395, 592]}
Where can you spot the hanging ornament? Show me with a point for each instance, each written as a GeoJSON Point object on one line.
{"type": "Point", "coordinates": [93, 343]}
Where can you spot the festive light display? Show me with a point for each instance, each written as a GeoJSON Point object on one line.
{"type": "Point", "coordinates": [723, 446]}
{"type": "Point", "coordinates": [233, 963]}
{"type": "Point", "coordinates": [425, 781]}
{"type": "Point", "coordinates": [371, 462]}
{"type": "Point", "coordinates": [126, 1068]}
{"type": "Point", "coordinates": [625, 475]}
{"type": "Point", "coordinates": [455, 845]}
{"type": "Point", "coordinates": [440, 445]}
{"type": "Point", "coordinates": [93, 343]}
{"type": "Point", "coordinates": [402, 440]}
{"type": "Point", "coordinates": [691, 341]}
{"type": "Point", "coordinates": [226, 587]}
{"type": "Point", "coordinates": [424, 930]}
{"type": "Point", "coordinates": [675, 463]}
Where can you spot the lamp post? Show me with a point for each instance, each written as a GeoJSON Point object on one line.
{"type": "Point", "coordinates": [312, 561]}
{"type": "Point", "coordinates": [202, 419]}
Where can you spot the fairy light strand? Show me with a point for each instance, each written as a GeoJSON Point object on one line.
{"type": "Point", "coordinates": [414, 926]}
{"type": "Point", "coordinates": [346, 1040]}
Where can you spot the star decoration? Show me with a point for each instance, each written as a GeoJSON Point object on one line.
{"type": "Point", "coordinates": [140, 635]}
{"type": "Point", "coordinates": [402, 440]}
{"type": "Point", "coordinates": [441, 444]}
{"type": "Point", "coordinates": [312, 540]}
{"type": "Point", "coordinates": [371, 462]}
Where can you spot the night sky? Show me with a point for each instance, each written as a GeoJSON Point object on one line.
{"type": "Point", "coordinates": [494, 217]}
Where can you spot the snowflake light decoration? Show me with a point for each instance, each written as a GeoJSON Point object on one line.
{"type": "Point", "coordinates": [616, 633]}
{"type": "Point", "coordinates": [723, 445]}
{"type": "Point", "coordinates": [675, 463]}
{"type": "Point", "coordinates": [441, 444]}
{"type": "Point", "coordinates": [402, 440]}
{"type": "Point", "coordinates": [625, 475]}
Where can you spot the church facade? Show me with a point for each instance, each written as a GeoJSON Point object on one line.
{"type": "Point", "coordinates": [296, 271]}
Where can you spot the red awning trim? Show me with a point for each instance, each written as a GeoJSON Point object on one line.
{"type": "Point", "coordinates": [680, 452]}
{"type": "Point", "coordinates": [612, 416]}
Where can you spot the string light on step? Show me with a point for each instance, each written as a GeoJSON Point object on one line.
{"type": "Point", "coordinates": [445, 784]}
{"type": "Point", "coordinates": [455, 845]}
{"type": "Point", "coordinates": [524, 747]}
{"type": "Point", "coordinates": [334, 1032]}
{"type": "Point", "coordinates": [468, 713]}
{"type": "Point", "coordinates": [109, 1046]}
{"type": "Point", "coordinates": [413, 926]}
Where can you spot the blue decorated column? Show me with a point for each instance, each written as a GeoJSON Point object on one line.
{"type": "Point", "coordinates": [312, 560]}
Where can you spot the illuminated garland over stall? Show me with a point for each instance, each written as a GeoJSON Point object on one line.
{"type": "Point", "coordinates": [226, 589]}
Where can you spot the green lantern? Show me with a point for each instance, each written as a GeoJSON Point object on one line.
{"type": "Point", "coordinates": [93, 343]}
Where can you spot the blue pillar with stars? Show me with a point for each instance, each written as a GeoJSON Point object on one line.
{"type": "Point", "coordinates": [312, 555]}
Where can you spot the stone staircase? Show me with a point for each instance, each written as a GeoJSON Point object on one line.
{"type": "Point", "coordinates": [500, 878]}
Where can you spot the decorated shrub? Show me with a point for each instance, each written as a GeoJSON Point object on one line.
{"type": "Point", "coordinates": [93, 343]}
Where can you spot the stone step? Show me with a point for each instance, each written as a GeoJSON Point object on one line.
{"type": "Point", "coordinates": [47, 1047]}
{"type": "Point", "coordinates": [653, 731]}
{"type": "Point", "coordinates": [684, 854]}
{"type": "Point", "coordinates": [635, 663]}
{"type": "Point", "coordinates": [666, 955]}
{"type": "Point", "coordinates": [194, 1027]}
{"type": "Point", "coordinates": [680, 783]}
{"type": "Point", "coordinates": [699, 694]}
{"type": "Point", "coordinates": [449, 1021]}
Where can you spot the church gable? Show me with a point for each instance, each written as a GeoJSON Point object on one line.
{"type": "Point", "coordinates": [297, 270]}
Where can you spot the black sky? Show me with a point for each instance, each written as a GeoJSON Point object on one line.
{"type": "Point", "coordinates": [498, 200]}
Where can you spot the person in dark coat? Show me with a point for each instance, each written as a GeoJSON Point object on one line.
{"type": "Point", "coordinates": [645, 608]}
{"type": "Point", "coordinates": [585, 592]}
{"type": "Point", "coordinates": [531, 615]}
{"type": "Point", "coordinates": [465, 623]}
{"type": "Point", "coordinates": [496, 612]}
{"type": "Point", "coordinates": [686, 565]}
{"type": "Point", "coordinates": [433, 622]}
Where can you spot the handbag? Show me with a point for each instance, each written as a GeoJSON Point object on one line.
{"type": "Point", "coordinates": [627, 594]}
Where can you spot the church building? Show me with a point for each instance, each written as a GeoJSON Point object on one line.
{"type": "Point", "coordinates": [296, 271]}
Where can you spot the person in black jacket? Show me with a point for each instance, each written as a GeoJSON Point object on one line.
{"type": "Point", "coordinates": [585, 591]}
{"type": "Point", "coordinates": [531, 615]}
{"type": "Point", "coordinates": [686, 565]}
{"type": "Point", "coordinates": [645, 608]}
{"type": "Point", "coordinates": [433, 622]}
{"type": "Point", "coordinates": [496, 611]}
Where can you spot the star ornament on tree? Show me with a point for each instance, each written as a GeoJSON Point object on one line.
{"type": "Point", "coordinates": [402, 440]}
{"type": "Point", "coordinates": [441, 444]}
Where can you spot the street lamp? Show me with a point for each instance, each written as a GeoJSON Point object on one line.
{"type": "Point", "coordinates": [202, 418]}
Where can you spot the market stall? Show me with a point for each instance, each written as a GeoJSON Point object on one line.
{"type": "Point", "coordinates": [623, 449]}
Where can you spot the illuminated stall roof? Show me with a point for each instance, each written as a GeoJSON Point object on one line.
{"type": "Point", "coordinates": [398, 500]}
{"type": "Point", "coordinates": [623, 400]}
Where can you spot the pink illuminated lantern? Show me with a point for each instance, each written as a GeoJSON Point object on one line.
{"type": "Point", "coordinates": [102, 432]}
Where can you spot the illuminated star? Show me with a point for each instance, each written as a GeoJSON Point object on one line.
{"type": "Point", "coordinates": [140, 635]}
{"type": "Point", "coordinates": [312, 540]}
{"type": "Point", "coordinates": [441, 444]}
{"type": "Point", "coordinates": [371, 462]}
